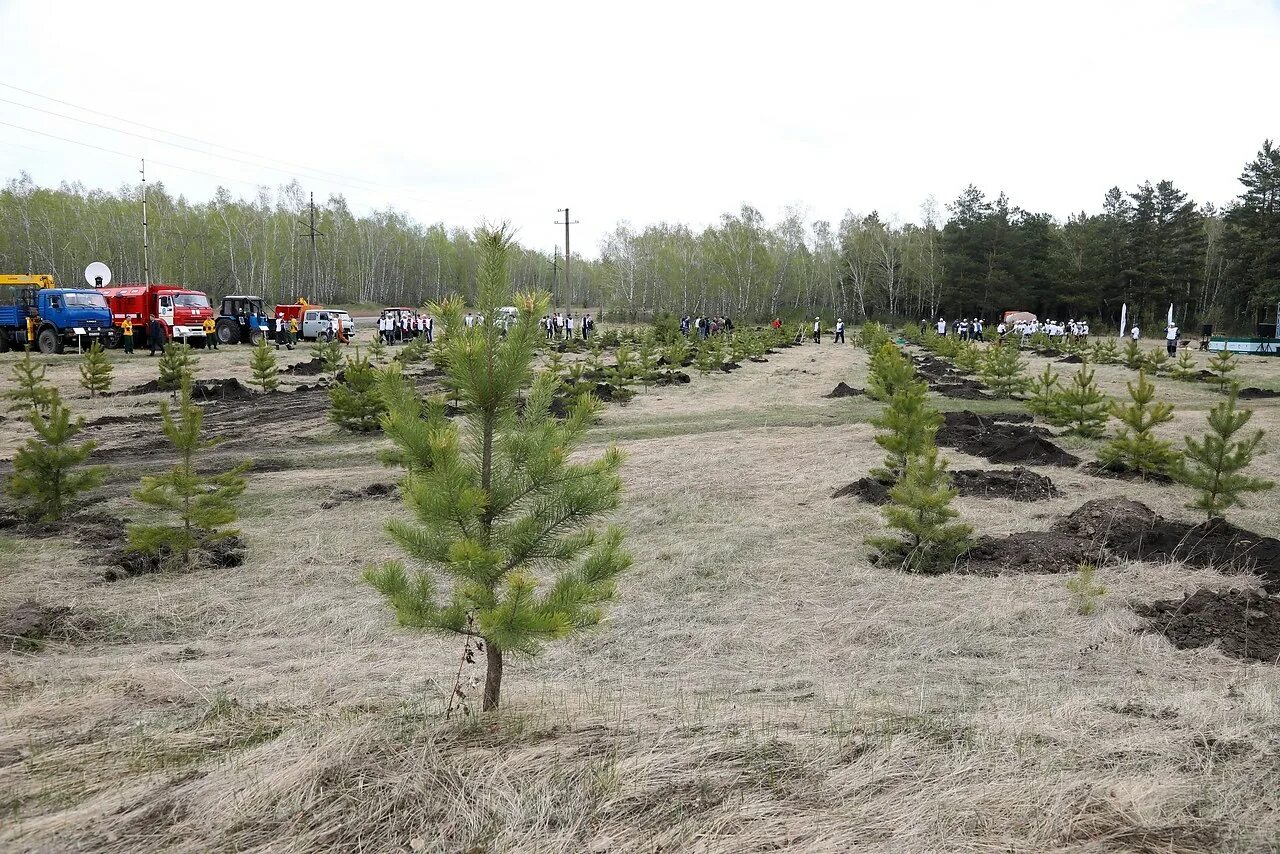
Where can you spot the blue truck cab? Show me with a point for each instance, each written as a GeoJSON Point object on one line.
{"type": "Point", "coordinates": [52, 318]}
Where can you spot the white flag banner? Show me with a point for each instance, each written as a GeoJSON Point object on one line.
{"type": "Point", "coordinates": [1171, 314]}
{"type": "Point", "coordinates": [1124, 317]}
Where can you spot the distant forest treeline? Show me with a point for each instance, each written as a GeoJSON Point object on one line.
{"type": "Point", "coordinates": [1148, 247]}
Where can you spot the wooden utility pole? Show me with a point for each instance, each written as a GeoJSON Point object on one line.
{"type": "Point", "coordinates": [312, 233]}
{"type": "Point", "coordinates": [146, 259]}
{"type": "Point", "coordinates": [568, 282]}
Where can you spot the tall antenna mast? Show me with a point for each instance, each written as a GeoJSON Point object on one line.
{"type": "Point", "coordinates": [567, 222]}
{"type": "Point", "coordinates": [146, 260]}
{"type": "Point", "coordinates": [313, 234]}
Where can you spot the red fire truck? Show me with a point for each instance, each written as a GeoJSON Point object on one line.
{"type": "Point", "coordinates": [181, 311]}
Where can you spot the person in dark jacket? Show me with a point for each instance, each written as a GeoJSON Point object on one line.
{"type": "Point", "coordinates": [155, 335]}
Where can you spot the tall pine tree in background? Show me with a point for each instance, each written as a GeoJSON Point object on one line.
{"type": "Point", "coordinates": [1252, 235]}
{"type": "Point", "coordinates": [502, 517]}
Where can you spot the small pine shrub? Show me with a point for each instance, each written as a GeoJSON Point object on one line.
{"type": "Point", "coordinates": [330, 355]}
{"type": "Point", "coordinates": [48, 470]}
{"type": "Point", "coordinates": [95, 370]}
{"type": "Point", "coordinates": [968, 358]}
{"type": "Point", "coordinates": [1185, 368]}
{"type": "Point", "coordinates": [1105, 352]}
{"type": "Point", "coordinates": [1216, 464]}
{"type": "Point", "coordinates": [1135, 447]}
{"type": "Point", "coordinates": [909, 425]}
{"type": "Point", "coordinates": [1080, 406]}
{"type": "Point", "coordinates": [1001, 371]}
{"type": "Point", "coordinates": [263, 365]}
{"type": "Point", "coordinates": [921, 511]}
{"type": "Point", "coordinates": [1223, 364]}
{"type": "Point", "coordinates": [31, 390]}
{"type": "Point", "coordinates": [890, 369]}
{"type": "Point", "coordinates": [378, 348]}
{"type": "Point", "coordinates": [357, 400]}
{"type": "Point", "coordinates": [1133, 357]}
{"type": "Point", "coordinates": [1044, 389]}
{"type": "Point", "coordinates": [177, 366]}
{"type": "Point", "coordinates": [1085, 589]}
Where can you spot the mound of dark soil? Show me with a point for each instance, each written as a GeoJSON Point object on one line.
{"type": "Point", "coordinates": [1002, 442]}
{"type": "Point", "coordinates": [868, 489]}
{"type": "Point", "coordinates": [373, 490]}
{"type": "Point", "coordinates": [730, 366]}
{"type": "Point", "coordinates": [968, 418]}
{"type": "Point", "coordinates": [934, 368]}
{"type": "Point", "coordinates": [1134, 531]}
{"type": "Point", "coordinates": [671, 378]}
{"type": "Point", "coordinates": [90, 530]}
{"type": "Point", "coordinates": [610, 393]}
{"type": "Point", "coordinates": [228, 389]}
{"type": "Point", "coordinates": [1242, 623]}
{"type": "Point", "coordinates": [1252, 393]}
{"type": "Point", "coordinates": [149, 387]}
{"type": "Point", "coordinates": [305, 369]}
{"type": "Point", "coordinates": [962, 390]}
{"type": "Point", "coordinates": [1030, 551]}
{"type": "Point", "coordinates": [107, 420]}
{"type": "Point", "coordinates": [1017, 484]}
{"type": "Point", "coordinates": [1073, 359]}
{"type": "Point", "coordinates": [844, 390]}
{"type": "Point", "coordinates": [222, 553]}
{"type": "Point", "coordinates": [29, 623]}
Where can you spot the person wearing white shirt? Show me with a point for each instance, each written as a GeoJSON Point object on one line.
{"type": "Point", "coordinates": [1171, 339]}
{"type": "Point", "coordinates": [839, 331]}
{"type": "Point", "coordinates": [942, 326]}
{"type": "Point", "coordinates": [817, 330]}
{"type": "Point", "coordinates": [1136, 333]}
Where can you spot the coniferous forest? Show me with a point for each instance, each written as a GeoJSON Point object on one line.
{"type": "Point", "coordinates": [979, 254]}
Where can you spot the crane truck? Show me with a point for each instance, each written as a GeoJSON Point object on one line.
{"type": "Point", "coordinates": [34, 312]}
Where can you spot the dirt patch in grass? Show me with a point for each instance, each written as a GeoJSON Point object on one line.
{"type": "Point", "coordinates": [1000, 441]}
{"type": "Point", "coordinates": [671, 378]}
{"type": "Point", "coordinates": [1241, 623]}
{"type": "Point", "coordinates": [1073, 359]}
{"type": "Point", "coordinates": [845, 390]}
{"type": "Point", "coordinates": [1032, 552]}
{"type": "Point", "coordinates": [868, 489]}
{"type": "Point", "coordinates": [1016, 484]}
{"type": "Point", "coordinates": [1097, 469]}
{"type": "Point", "coordinates": [90, 530]}
{"type": "Point", "coordinates": [29, 623]}
{"type": "Point", "coordinates": [373, 490]}
{"type": "Point", "coordinates": [1257, 393]}
{"type": "Point", "coordinates": [222, 553]}
{"type": "Point", "coordinates": [310, 368]}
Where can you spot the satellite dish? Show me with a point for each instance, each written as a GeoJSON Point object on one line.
{"type": "Point", "coordinates": [97, 274]}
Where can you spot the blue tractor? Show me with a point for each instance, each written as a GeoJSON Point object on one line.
{"type": "Point", "coordinates": [35, 313]}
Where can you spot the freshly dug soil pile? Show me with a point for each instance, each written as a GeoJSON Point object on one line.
{"type": "Point", "coordinates": [868, 489]}
{"type": "Point", "coordinates": [108, 420]}
{"type": "Point", "coordinates": [90, 530]}
{"type": "Point", "coordinates": [1242, 623]}
{"type": "Point", "coordinates": [1252, 393]}
{"type": "Point", "coordinates": [373, 490]}
{"type": "Point", "coordinates": [1030, 551]}
{"type": "Point", "coordinates": [29, 623]}
{"type": "Point", "coordinates": [663, 363]}
{"type": "Point", "coordinates": [305, 369]}
{"type": "Point", "coordinates": [1017, 484]}
{"type": "Point", "coordinates": [1001, 442]}
{"type": "Point", "coordinates": [1073, 359]}
{"type": "Point", "coordinates": [223, 553]}
{"type": "Point", "coordinates": [229, 389]}
{"type": "Point", "coordinates": [1134, 531]}
{"type": "Point", "coordinates": [961, 390]}
{"type": "Point", "coordinates": [671, 378]}
{"type": "Point", "coordinates": [934, 368]}
{"type": "Point", "coordinates": [844, 390]}
{"type": "Point", "coordinates": [969, 418]}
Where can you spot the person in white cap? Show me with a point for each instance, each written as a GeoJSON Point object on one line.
{"type": "Point", "coordinates": [817, 330]}
{"type": "Point", "coordinates": [1171, 339]}
{"type": "Point", "coordinates": [839, 330]}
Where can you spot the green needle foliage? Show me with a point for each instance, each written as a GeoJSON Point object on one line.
{"type": "Point", "coordinates": [1001, 371]}
{"type": "Point", "coordinates": [1156, 360]}
{"type": "Point", "coordinates": [647, 357]}
{"type": "Point", "coordinates": [1045, 388]}
{"type": "Point", "coordinates": [1216, 464]}
{"type": "Point", "coordinates": [873, 337]}
{"type": "Point", "coordinates": [1081, 406]}
{"type": "Point", "coordinates": [1185, 368]}
{"type": "Point", "coordinates": [95, 370]}
{"type": "Point", "coordinates": [330, 355]}
{"type": "Point", "coordinates": [357, 400]}
{"type": "Point", "coordinates": [968, 358]}
{"type": "Point", "coordinates": [890, 370]}
{"type": "Point", "coordinates": [502, 515]}
{"type": "Point", "coordinates": [263, 365]}
{"type": "Point", "coordinates": [1223, 364]}
{"type": "Point", "coordinates": [1133, 357]}
{"type": "Point", "coordinates": [1105, 352]}
{"type": "Point", "coordinates": [378, 348]}
{"type": "Point", "coordinates": [47, 470]}
{"type": "Point", "coordinates": [200, 505]}
{"type": "Point", "coordinates": [707, 359]}
{"type": "Point", "coordinates": [31, 390]}
{"type": "Point", "coordinates": [921, 510]}
{"type": "Point", "coordinates": [909, 425]}
{"type": "Point", "coordinates": [177, 365]}
{"type": "Point", "coordinates": [1135, 447]}
{"type": "Point", "coordinates": [1085, 589]}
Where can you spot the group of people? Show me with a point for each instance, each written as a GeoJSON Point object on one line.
{"type": "Point", "coordinates": [705, 327]}
{"type": "Point", "coordinates": [964, 329]}
{"type": "Point", "coordinates": [974, 329]}
{"type": "Point", "coordinates": [563, 326]}
{"type": "Point", "coordinates": [400, 326]}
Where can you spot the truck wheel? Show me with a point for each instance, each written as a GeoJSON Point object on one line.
{"type": "Point", "coordinates": [197, 343]}
{"type": "Point", "coordinates": [228, 332]}
{"type": "Point", "coordinates": [111, 338]}
{"type": "Point", "coordinates": [49, 341]}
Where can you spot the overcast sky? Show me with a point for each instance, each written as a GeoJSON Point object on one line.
{"type": "Point", "coordinates": [647, 111]}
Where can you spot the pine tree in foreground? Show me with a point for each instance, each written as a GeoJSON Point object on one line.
{"type": "Point", "coordinates": [921, 510]}
{"type": "Point", "coordinates": [1216, 464]}
{"type": "Point", "coordinates": [1133, 357]}
{"type": "Point", "coordinates": [1081, 406]}
{"type": "Point", "coordinates": [1135, 447]}
{"type": "Point", "coordinates": [31, 390]}
{"type": "Point", "coordinates": [889, 371]}
{"type": "Point", "coordinates": [95, 370]}
{"type": "Point", "coordinates": [201, 505]}
{"type": "Point", "coordinates": [263, 365]}
{"type": "Point", "coordinates": [502, 512]}
{"type": "Point", "coordinates": [357, 400]}
{"type": "Point", "coordinates": [1001, 371]}
{"type": "Point", "coordinates": [1223, 364]}
{"type": "Point", "coordinates": [177, 364]}
{"type": "Point", "coordinates": [1105, 352]}
{"type": "Point", "coordinates": [378, 348]}
{"type": "Point", "coordinates": [909, 425]}
{"type": "Point", "coordinates": [48, 471]}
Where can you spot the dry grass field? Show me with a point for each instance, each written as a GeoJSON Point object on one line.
{"type": "Point", "coordinates": [758, 686]}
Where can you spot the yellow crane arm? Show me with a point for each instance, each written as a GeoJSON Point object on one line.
{"type": "Point", "coordinates": [40, 281]}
